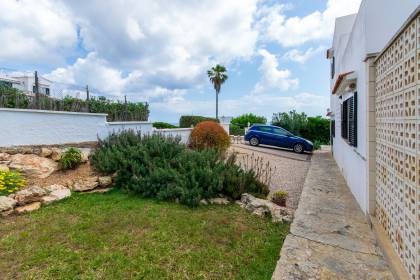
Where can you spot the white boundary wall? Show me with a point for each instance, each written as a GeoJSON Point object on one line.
{"type": "Point", "coordinates": [38, 127]}
{"type": "Point", "coordinates": [184, 133]}
{"type": "Point", "coordinates": [20, 127]}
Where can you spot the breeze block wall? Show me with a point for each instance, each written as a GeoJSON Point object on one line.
{"type": "Point", "coordinates": [397, 102]}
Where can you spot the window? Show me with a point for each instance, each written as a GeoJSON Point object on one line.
{"type": "Point", "coordinates": [265, 129]}
{"type": "Point", "coordinates": [332, 67]}
{"type": "Point", "coordinates": [349, 120]}
{"type": "Point", "coordinates": [333, 128]}
{"type": "Point", "coordinates": [280, 131]}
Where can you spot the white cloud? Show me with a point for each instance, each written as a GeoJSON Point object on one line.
{"type": "Point", "coordinates": [261, 104]}
{"type": "Point", "coordinates": [303, 56]}
{"type": "Point", "coordinates": [35, 31]}
{"type": "Point", "coordinates": [294, 31]}
{"type": "Point", "coordinates": [272, 77]}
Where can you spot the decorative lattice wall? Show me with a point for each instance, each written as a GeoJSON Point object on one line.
{"type": "Point", "coordinates": [398, 145]}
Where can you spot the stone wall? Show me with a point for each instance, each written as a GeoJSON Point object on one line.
{"type": "Point", "coordinates": [397, 102]}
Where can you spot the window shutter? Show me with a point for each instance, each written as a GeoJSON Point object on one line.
{"type": "Point", "coordinates": [344, 119]}
{"type": "Point", "coordinates": [352, 104]}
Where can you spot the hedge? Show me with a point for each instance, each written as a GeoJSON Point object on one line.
{"type": "Point", "coordinates": [188, 121]}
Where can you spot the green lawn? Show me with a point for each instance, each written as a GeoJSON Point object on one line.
{"type": "Point", "coordinates": [118, 236]}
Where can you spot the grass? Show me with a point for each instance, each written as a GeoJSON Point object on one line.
{"type": "Point", "coordinates": [118, 236]}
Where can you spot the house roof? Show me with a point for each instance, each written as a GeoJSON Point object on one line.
{"type": "Point", "coordinates": [339, 80]}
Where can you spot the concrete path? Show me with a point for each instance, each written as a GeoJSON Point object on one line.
{"type": "Point", "coordinates": [330, 237]}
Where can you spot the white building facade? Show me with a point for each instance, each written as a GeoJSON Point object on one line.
{"type": "Point", "coordinates": [375, 121]}
{"type": "Point", "coordinates": [26, 83]}
{"type": "Point", "coordinates": [357, 39]}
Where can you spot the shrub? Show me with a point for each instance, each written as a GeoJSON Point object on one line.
{"type": "Point", "coordinates": [209, 134]}
{"type": "Point", "coordinates": [162, 125]}
{"type": "Point", "coordinates": [159, 167]}
{"type": "Point", "coordinates": [236, 130]}
{"type": "Point", "coordinates": [280, 197]}
{"type": "Point", "coordinates": [188, 121]}
{"type": "Point", "coordinates": [13, 98]}
{"type": "Point", "coordinates": [312, 128]}
{"type": "Point", "coordinates": [243, 120]}
{"type": "Point", "coordinates": [10, 182]}
{"type": "Point", "coordinates": [71, 158]}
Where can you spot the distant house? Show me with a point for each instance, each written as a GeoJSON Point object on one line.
{"type": "Point", "coordinates": [375, 118]}
{"type": "Point", "coordinates": [26, 83]}
{"type": "Point", "coordinates": [7, 81]}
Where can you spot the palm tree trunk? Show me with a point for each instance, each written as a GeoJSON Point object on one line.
{"type": "Point", "coordinates": [217, 105]}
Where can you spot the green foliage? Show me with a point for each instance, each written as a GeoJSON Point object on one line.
{"type": "Point", "coordinates": [236, 130]}
{"type": "Point", "coordinates": [130, 111]}
{"type": "Point", "coordinates": [280, 197]}
{"type": "Point", "coordinates": [154, 166]}
{"type": "Point", "coordinates": [250, 118]}
{"type": "Point", "coordinates": [188, 121]}
{"type": "Point", "coordinates": [116, 111]}
{"type": "Point", "coordinates": [10, 182]}
{"type": "Point", "coordinates": [162, 125]}
{"type": "Point", "coordinates": [312, 128]}
{"type": "Point", "coordinates": [13, 98]}
{"type": "Point", "coordinates": [71, 158]}
{"type": "Point", "coordinates": [292, 121]}
{"type": "Point", "coordinates": [209, 135]}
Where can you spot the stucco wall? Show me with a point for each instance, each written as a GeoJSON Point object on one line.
{"type": "Point", "coordinates": [184, 133]}
{"type": "Point", "coordinates": [38, 127]}
{"type": "Point", "coordinates": [115, 127]}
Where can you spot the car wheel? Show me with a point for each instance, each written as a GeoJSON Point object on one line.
{"type": "Point", "coordinates": [298, 148]}
{"type": "Point", "coordinates": [254, 141]}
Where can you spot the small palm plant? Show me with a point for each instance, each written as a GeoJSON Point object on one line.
{"type": "Point", "coordinates": [217, 75]}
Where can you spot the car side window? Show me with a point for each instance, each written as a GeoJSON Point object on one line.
{"type": "Point", "coordinates": [280, 131]}
{"type": "Point", "coordinates": [265, 129]}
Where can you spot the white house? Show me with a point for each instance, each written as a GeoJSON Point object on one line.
{"type": "Point", "coordinates": [375, 121]}
{"type": "Point", "coordinates": [8, 81]}
{"type": "Point", "coordinates": [27, 83]}
{"type": "Point", "coordinates": [357, 39]}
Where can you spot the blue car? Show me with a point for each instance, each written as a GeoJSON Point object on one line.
{"type": "Point", "coordinates": [277, 136]}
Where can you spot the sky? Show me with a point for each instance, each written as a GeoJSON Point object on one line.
{"type": "Point", "coordinates": [159, 51]}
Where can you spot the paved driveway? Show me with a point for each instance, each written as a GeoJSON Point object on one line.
{"type": "Point", "coordinates": [289, 169]}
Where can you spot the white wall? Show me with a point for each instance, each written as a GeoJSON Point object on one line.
{"type": "Point", "coordinates": [115, 127]}
{"type": "Point", "coordinates": [184, 133]}
{"type": "Point", "coordinates": [375, 24]}
{"type": "Point", "coordinates": [38, 127]}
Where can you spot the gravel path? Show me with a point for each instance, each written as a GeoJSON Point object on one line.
{"type": "Point", "coordinates": [288, 174]}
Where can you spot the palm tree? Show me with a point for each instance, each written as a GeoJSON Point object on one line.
{"type": "Point", "coordinates": [217, 75]}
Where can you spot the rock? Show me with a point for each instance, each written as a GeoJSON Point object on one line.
{"type": "Point", "coordinates": [85, 184]}
{"type": "Point", "coordinates": [28, 208]}
{"type": "Point", "coordinates": [262, 207]}
{"type": "Point", "coordinates": [56, 154]}
{"type": "Point", "coordinates": [219, 201]}
{"type": "Point", "coordinates": [28, 195]}
{"type": "Point", "coordinates": [33, 165]}
{"type": "Point", "coordinates": [4, 156]}
{"type": "Point", "coordinates": [105, 181]}
{"type": "Point", "coordinates": [86, 152]}
{"type": "Point", "coordinates": [55, 193]}
{"type": "Point", "coordinates": [203, 202]}
{"type": "Point", "coordinates": [103, 190]}
{"type": "Point", "coordinates": [4, 167]}
{"type": "Point", "coordinates": [45, 152]}
{"type": "Point", "coordinates": [7, 203]}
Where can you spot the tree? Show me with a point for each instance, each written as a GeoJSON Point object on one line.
{"type": "Point", "coordinates": [250, 118]}
{"type": "Point", "coordinates": [217, 76]}
{"type": "Point", "coordinates": [292, 121]}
